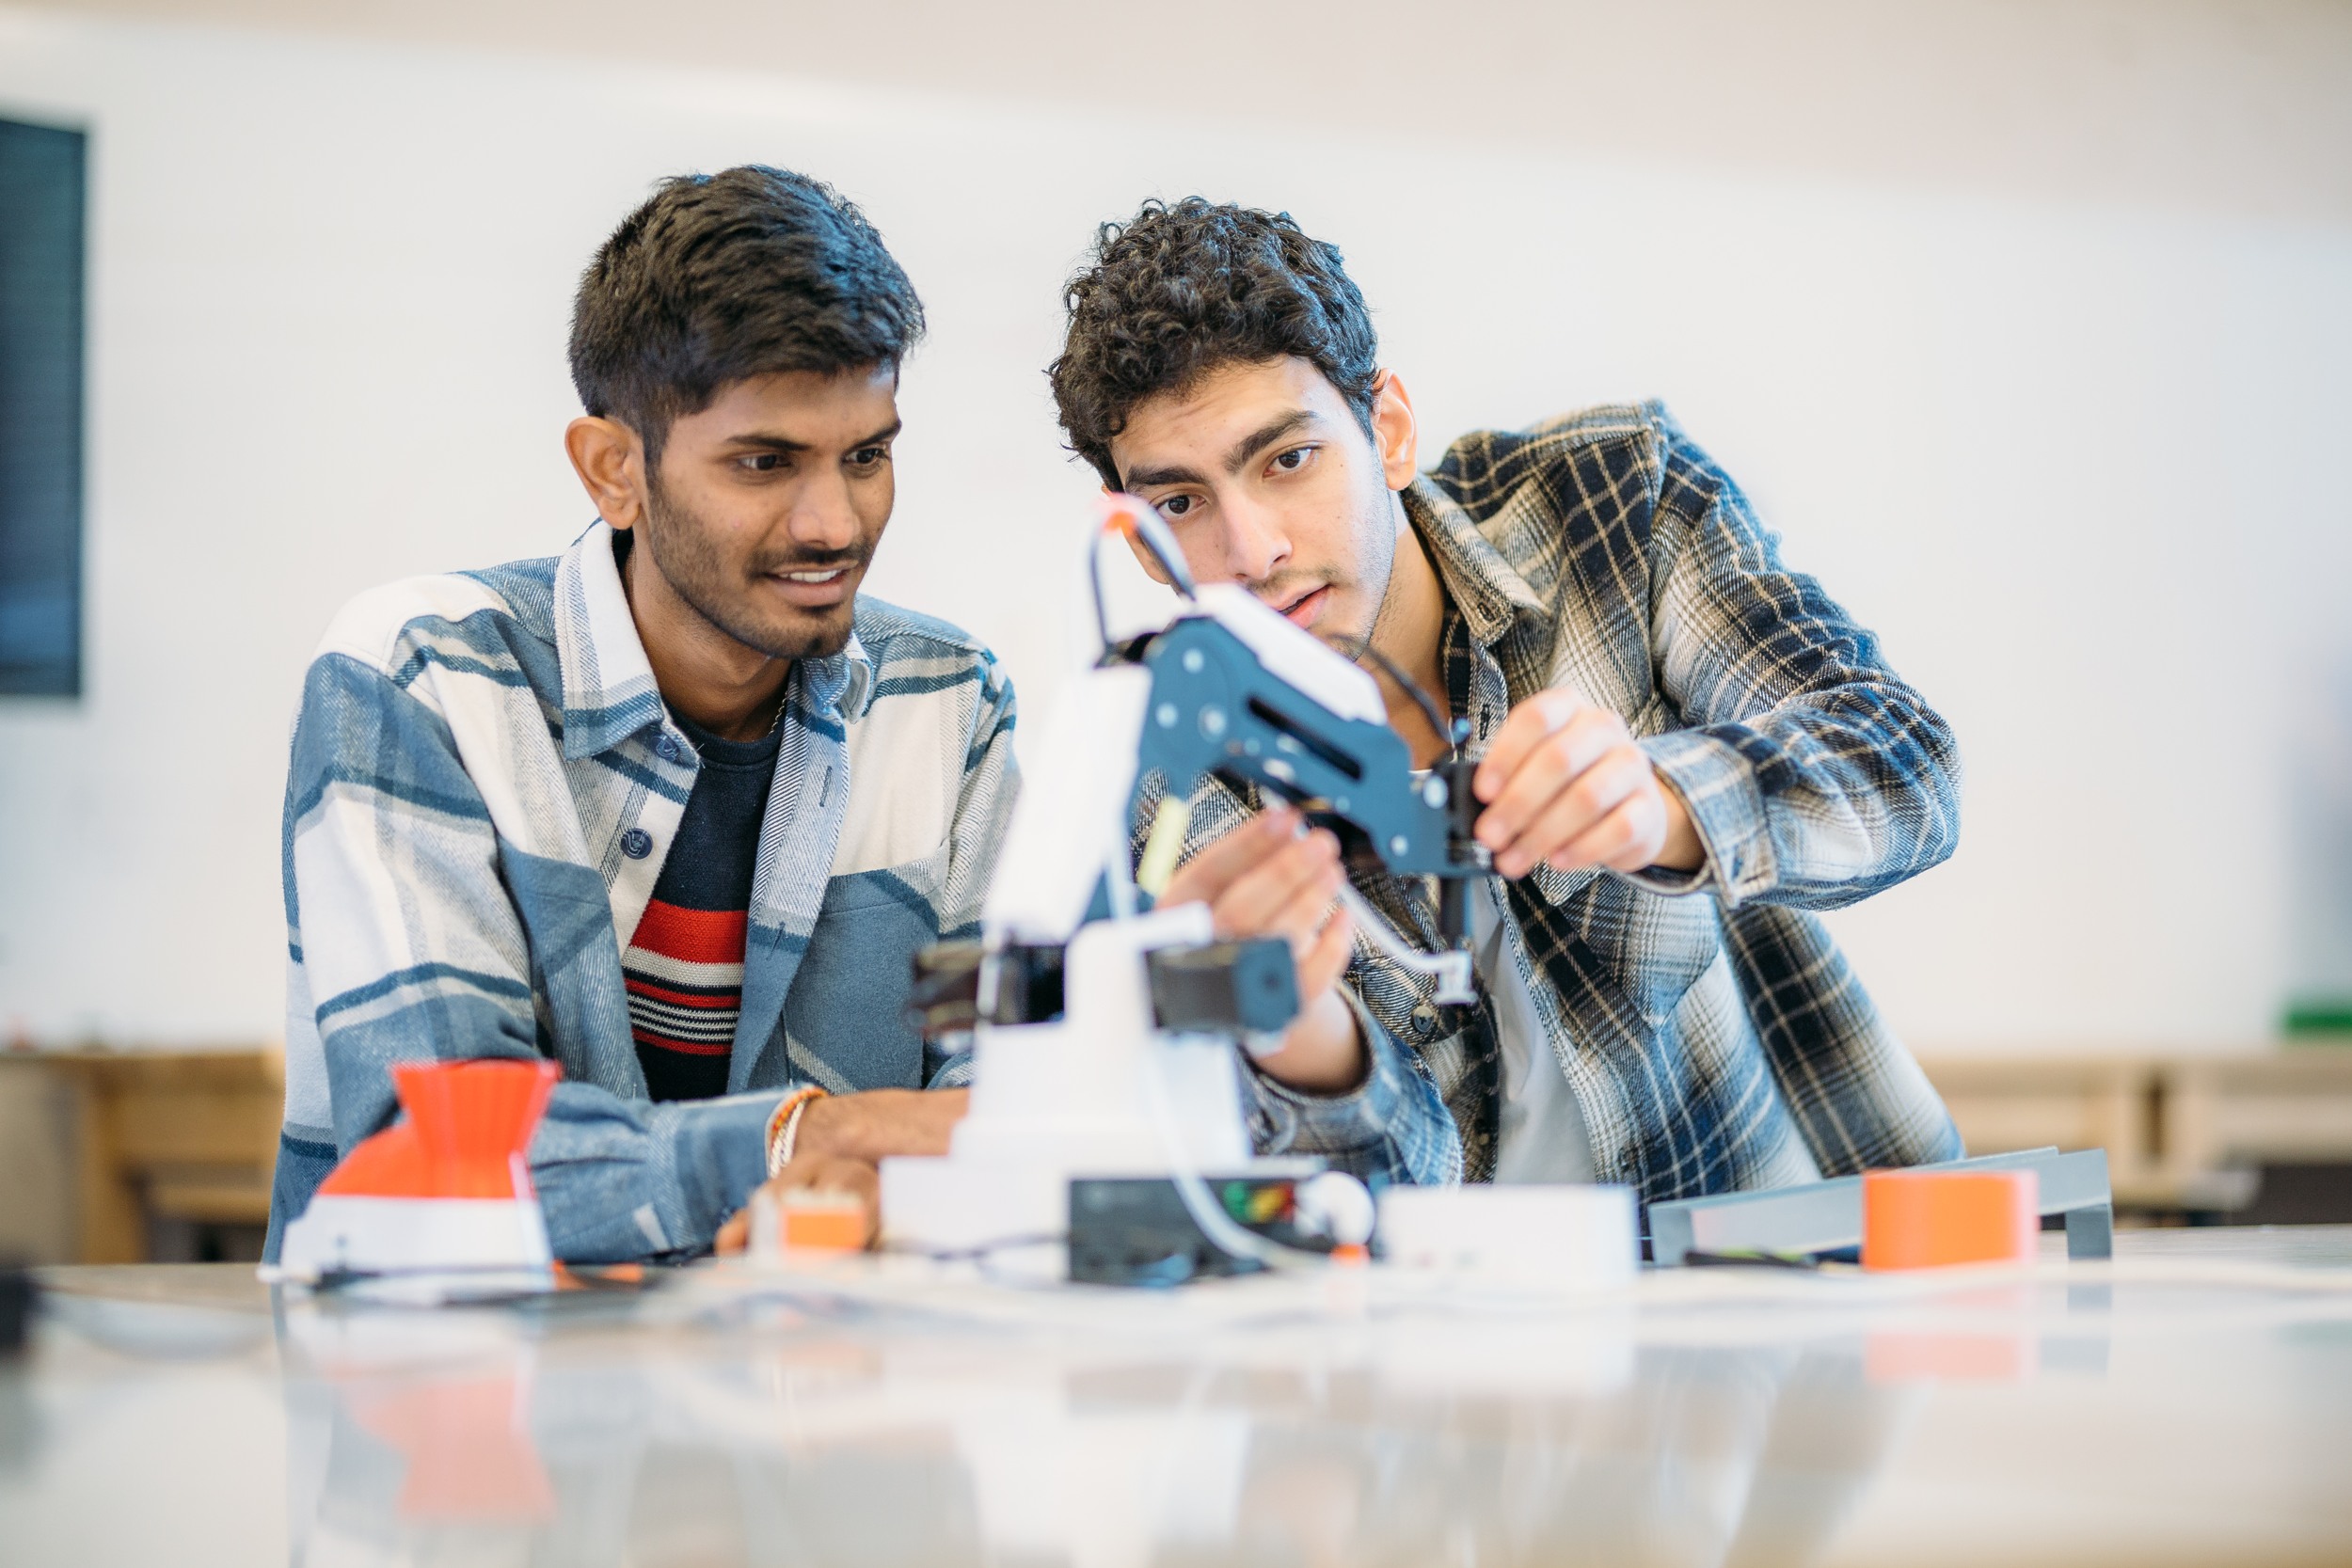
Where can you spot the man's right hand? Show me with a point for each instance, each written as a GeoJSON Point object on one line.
{"type": "Point", "coordinates": [876, 1123]}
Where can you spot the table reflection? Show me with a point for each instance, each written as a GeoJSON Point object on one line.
{"type": "Point", "coordinates": [784, 1432]}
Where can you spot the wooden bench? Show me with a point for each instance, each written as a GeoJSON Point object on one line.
{"type": "Point", "coordinates": [162, 1135]}
{"type": "Point", "coordinates": [2181, 1131]}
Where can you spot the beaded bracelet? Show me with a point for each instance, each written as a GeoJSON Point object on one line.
{"type": "Point", "coordinates": [783, 1125]}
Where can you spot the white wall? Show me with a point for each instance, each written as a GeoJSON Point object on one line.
{"type": "Point", "coordinates": [2077, 462]}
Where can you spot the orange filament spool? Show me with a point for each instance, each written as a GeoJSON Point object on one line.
{"type": "Point", "coordinates": [1921, 1219]}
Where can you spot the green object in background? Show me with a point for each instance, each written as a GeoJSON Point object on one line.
{"type": "Point", "coordinates": [2320, 1021]}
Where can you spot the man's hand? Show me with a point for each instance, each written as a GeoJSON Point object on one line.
{"type": "Point", "coordinates": [1564, 785]}
{"type": "Point", "coordinates": [824, 1173]}
{"type": "Point", "coordinates": [1267, 878]}
{"type": "Point", "coordinates": [877, 1123]}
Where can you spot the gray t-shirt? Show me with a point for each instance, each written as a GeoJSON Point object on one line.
{"type": "Point", "coordinates": [1543, 1136]}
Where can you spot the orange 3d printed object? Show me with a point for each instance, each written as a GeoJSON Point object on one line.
{"type": "Point", "coordinates": [1923, 1219]}
{"type": "Point", "coordinates": [446, 1190]}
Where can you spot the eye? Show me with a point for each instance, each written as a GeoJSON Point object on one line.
{"type": "Point", "coordinates": [1292, 461]}
{"type": "Point", "coordinates": [1177, 506]}
{"type": "Point", "coordinates": [761, 462]}
{"type": "Point", "coordinates": [869, 458]}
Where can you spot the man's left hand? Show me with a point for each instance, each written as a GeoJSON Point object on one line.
{"type": "Point", "coordinates": [1565, 785]}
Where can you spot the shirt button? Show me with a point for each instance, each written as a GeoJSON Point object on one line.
{"type": "Point", "coordinates": [1424, 1021]}
{"type": "Point", "coordinates": [637, 844]}
{"type": "Point", "coordinates": [667, 748]}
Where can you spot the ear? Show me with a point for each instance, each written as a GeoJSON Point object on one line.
{"type": "Point", "coordinates": [1144, 557]}
{"type": "Point", "coordinates": [1394, 433]}
{"type": "Point", "coordinates": [611, 463]}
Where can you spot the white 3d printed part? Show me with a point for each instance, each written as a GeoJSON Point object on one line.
{"type": "Point", "coordinates": [392, 1235]}
{"type": "Point", "coordinates": [1074, 1098]}
{"type": "Point", "coordinates": [1575, 1238]}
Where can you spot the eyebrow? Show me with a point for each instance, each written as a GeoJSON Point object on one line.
{"type": "Point", "coordinates": [761, 441]}
{"type": "Point", "coordinates": [1237, 456]}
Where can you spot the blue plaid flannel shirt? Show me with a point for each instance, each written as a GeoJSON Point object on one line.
{"type": "Point", "coordinates": [1715, 1035]}
{"type": "Point", "coordinates": [483, 784]}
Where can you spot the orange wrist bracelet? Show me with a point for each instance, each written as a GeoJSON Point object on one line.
{"type": "Point", "coordinates": [783, 1125]}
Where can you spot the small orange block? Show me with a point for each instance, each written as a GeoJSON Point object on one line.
{"type": "Point", "coordinates": [1924, 1219]}
{"type": "Point", "coordinates": [823, 1222]}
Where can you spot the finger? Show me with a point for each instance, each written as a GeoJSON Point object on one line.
{"type": "Point", "coordinates": [1627, 838]}
{"type": "Point", "coordinates": [1304, 913]}
{"type": "Point", "coordinates": [1208, 874]}
{"type": "Point", "coordinates": [734, 1235]}
{"type": "Point", "coordinates": [1247, 907]}
{"type": "Point", "coordinates": [1262, 901]}
{"type": "Point", "coordinates": [828, 1173]}
{"type": "Point", "coordinates": [1547, 770]}
{"type": "Point", "coordinates": [1592, 795]}
{"type": "Point", "coordinates": [947, 1107]}
{"type": "Point", "coordinates": [1327, 960]}
{"type": "Point", "coordinates": [1526, 728]}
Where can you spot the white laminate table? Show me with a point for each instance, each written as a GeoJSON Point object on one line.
{"type": "Point", "coordinates": [2190, 1402]}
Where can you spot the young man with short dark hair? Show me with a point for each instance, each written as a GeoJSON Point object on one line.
{"type": "Point", "coordinates": [676, 807]}
{"type": "Point", "coordinates": [1685, 747]}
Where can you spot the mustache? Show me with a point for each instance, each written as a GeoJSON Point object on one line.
{"type": "Point", "coordinates": [1285, 586]}
{"type": "Point", "coordinates": [1281, 592]}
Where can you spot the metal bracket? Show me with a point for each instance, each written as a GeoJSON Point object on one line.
{"type": "Point", "coordinates": [1823, 1216]}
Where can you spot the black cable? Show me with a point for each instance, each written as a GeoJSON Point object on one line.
{"type": "Point", "coordinates": [1162, 543]}
{"type": "Point", "coordinates": [1154, 535]}
{"type": "Point", "coordinates": [1455, 731]}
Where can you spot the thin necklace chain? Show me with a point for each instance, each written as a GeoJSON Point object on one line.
{"type": "Point", "coordinates": [784, 700]}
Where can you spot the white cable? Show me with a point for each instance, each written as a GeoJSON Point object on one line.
{"type": "Point", "coordinates": [1218, 1226]}
{"type": "Point", "coordinates": [1451, 969]}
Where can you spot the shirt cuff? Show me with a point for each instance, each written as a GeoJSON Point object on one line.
{"type": "Point", "coordinates": [1718, 790]}
{"type": "Point", "coordinates": [718, 1153]}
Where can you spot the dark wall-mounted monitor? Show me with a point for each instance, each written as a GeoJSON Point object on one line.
{"type": "Point", "coordinates": [43, 199]}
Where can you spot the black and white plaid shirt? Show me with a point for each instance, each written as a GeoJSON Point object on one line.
{"type": "Point", "coordinates": [1715, 1037]}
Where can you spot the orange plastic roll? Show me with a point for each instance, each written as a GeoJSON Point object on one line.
{"type": "Point", "coordinates": [819, 1221]}
{"type": "Point", "coordinates": [1926, 1219]}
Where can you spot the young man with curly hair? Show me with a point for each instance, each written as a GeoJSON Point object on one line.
{"type": "Point", "coordinates": [1685, 748]}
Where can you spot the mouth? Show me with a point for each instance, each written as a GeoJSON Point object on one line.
{"type": "Point", "coordinates": [815, 590]}
{"type": "Point", "coordinates": [1304, 610]}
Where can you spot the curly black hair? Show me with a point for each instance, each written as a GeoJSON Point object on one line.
{"type": "Point", "coordinates": [718, 277]}
{"type": "Point", "coordinates": [1178, 290]}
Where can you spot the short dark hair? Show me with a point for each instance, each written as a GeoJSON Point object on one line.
{"type": "Point", "coordinates": [718, 277]}
{"type": "Point", "coordinates": [1177, 292]}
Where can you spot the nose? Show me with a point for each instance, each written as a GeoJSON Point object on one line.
{"type": "Point", "coordinates": [1254, 541]}
{"type": "Point", "coordinates": [823, 517]}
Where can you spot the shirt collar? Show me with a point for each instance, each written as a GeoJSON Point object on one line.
{"type": "Point", "coordinates": [1491, 594]}
{"type": "Point", "coordinates": [838, 686]}
{"type": "Point", "coordinates": [609, 688]}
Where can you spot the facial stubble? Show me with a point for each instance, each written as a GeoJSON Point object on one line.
{"type": "Point", "coordinates": [683, 553]}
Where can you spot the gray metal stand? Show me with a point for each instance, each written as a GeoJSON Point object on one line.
{"type": "Point", "coordinates": [1823, 1216]}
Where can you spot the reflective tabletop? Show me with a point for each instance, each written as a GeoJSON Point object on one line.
{"type": "Point", "coordinates": [2190, 1402]}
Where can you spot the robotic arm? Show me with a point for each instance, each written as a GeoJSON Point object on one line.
{"type": "Point", "coordinates": [1096, 1115]}
{"type": "Point", "coordinates": [1239, 693]}
{"type": "Point", "coordinates": [1228, 689]}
